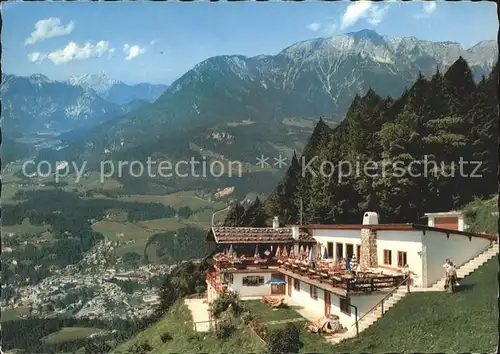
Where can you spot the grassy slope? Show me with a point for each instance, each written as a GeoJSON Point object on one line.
{"type": "Point", "coordinates": [185, 340]}
{"type": "Point", "coordinates": [438, 322]}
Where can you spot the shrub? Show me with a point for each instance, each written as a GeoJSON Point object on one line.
{"type": "Point", "coordinates": [165, 337]}
{"type": "Point", "coordinates": [247, 317]}
{"type": "Point", "coordinates": [225, 301]}
{"type": "Point", "coordinates": [224, 330]}
{"type": "Point", "coordinates": [259, 327]}
{"type": "Point", "coordinates": [284, 340]}
{"type": "Point", "coordinates": [142, 348]}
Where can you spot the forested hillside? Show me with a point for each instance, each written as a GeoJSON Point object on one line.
{"type": "Point", "coordinates": [446, 119]}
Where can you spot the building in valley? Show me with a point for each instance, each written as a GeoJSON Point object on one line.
{"type": "Point", "coordinates": [381, 251]}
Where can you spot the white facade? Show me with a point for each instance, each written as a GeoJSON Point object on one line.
{"type": "Point", "coordinates": [424, 251]}
{"type": "Point", "coordinates": [460, 249]}
{"type": "Point", "coordinates": [432, 216]}
{"type": "Point", "coordinates": [363, 303]}
{"type": "Point", "coordinates": [236, 283]}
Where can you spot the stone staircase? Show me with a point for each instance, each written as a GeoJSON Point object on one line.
{"type": "Point", "coordinates": [371, 317]}
{"type": "Point", "coordinates": [471, 265]}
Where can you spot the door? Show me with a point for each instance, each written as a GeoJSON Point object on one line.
{"type": "Point", "coordinates": [289, 286]}
{"type": "Point", "coordinates": [328, 303]}
{"type": "Point", "coordinates": [277, 289]}
{"type": "Point", "coordinates": [349, 250]}
{"type": "Point", "coordinates": [329, 246]}
{"type": "Point", "coordinates": [340, 252]}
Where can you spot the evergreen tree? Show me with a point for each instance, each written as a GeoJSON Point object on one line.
{"type": "Point", "coordinates": [235, 216]}
{"type": "Point", "coordinates": [255, 215]}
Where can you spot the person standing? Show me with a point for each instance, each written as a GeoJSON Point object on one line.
{"type": "Point", "coordinates": [446, 267]}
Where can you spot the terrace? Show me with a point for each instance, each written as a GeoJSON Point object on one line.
{"type": "Point", "coordinates": [341, 279]}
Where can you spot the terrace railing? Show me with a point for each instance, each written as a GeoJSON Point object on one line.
{"type": "Point", "coordinates": [362, 282]}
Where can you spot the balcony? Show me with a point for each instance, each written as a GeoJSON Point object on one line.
{"type": "Point", "coordinates": [337, 280]}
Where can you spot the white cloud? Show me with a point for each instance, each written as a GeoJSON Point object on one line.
{"type": "Point", "coordinates": [133, 51]}
{"type": "Point", "coordinates": [429, 7]}
{"type": "Point", "coordinates": [48, 28]}
{"type": "Point", "coordinates": [315, 26]}
{"type": "Point", "coordinates": [362, 9]}
{"type": "Point", "coordinates": [376, 15]}
{"type": "Point", "coordinates": [36, 57]}
{"type": "Point", "coordinates": [73, 52]}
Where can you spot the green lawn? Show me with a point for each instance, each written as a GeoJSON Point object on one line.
{"type": "Point", "coordinates": [267, 314]}
{"type": "Point", "coordinates": [69, 334]}
{"type": "Point", "coordinates": [438, 322]}
{"type": "Point", "coordinates": [185, 340]}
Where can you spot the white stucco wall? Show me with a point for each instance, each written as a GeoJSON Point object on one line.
{"type": "Point", "coordinates": [237, 285]}
{"type": "Point", "coordinates": [304, 298]}
{"type": "Point", "coordinates": [457, 247]}
{"type": "Point", "coordinates": [409, 241]}
{"type": "Point", "coordinates": [364, 303]}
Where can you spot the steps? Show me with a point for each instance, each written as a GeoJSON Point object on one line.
{"type": "Point", "coordinates": [471, 265]}
{"type": "Point", "coordinates": [371, 318]}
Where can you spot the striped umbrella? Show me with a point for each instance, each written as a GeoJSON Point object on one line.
{"type": "Point", "coordinates": [278, 252]}
{"type": "Point", "coordinates": [301, 251]}
{"type": "Point", "coordinates": [231, 251]}
{"type": "Point", "coordinates": [284, 254]}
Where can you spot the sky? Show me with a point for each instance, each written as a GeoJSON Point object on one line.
{"type": "Point", "coordinates": [158, 42]}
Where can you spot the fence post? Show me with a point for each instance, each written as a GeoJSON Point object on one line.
{"type": "Point", "coordinates": [408, 284]}
{"type": "Point", "coordinates": [382, 304]}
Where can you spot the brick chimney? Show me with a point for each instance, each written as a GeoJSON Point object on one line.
{"type": "Point", "coordinates": [295, 236]}
{"type": "Point", "coordinates": [276, 223]}
{"type": "Point", "coordinates": [368, 257]}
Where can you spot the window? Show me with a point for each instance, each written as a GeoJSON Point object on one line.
{"type": "Point", "coordinates": [401, 259]}
{"type": "Point", "coordinates": [296, 284]}
{"type": "Point", "coordinates": [358, 252]}
{"type": "Point", "coordinates": [349, 250]}
{"type": "Point", "coordinates": [340, 251]}
{"type": "Point", "coordinates": [313, 292]}
{"type": "Point", "coordinates": [329, 247]}
{"type": "Point", "coordinates": [388, 257]}
{"type": "Point", "coordinates": [344, 305]}
{"type": "Point", "coordinates": [228, 278]}
{"type": "Point", "coordinates": [253, 281]}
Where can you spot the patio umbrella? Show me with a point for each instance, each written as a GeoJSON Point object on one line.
{"type": "Point", "coordinates": [225, 251]}
{"type": "Point", "coordinates": [276, 282]}
{"type": "Point", "coordinates": [278, 252]}
{"type": "Point", "coordinates": [292, 253]}
{"type": "Point", "coordinates": [325, 253]}
{"type": "Point", "coordinates": [256, 255]}
{"type": "Point", "coordinates": [311, 255]}
{"type": "Point", "coordinates": [307, 251]}
{"type": "Point", "coordinates": [284, 254]}
{"type": "Point", "coordinates": [301, 251]}
{"type": "Point", "coordinates": [231, 251]}
{"type": "Point", "coordinates": [318, 250]}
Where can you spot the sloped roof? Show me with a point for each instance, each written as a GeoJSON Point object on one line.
{"type": "Point", "coordinates": [229, 235]}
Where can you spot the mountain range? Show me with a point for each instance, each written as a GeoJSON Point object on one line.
{"type": "Point", "coordinates": [319, 77]}
{"type": "Point", "coordinates": [36, 103]}
{"type": "Point", "coordinates": [116, 91]}
{"type": "Point", "coordinates": [241, 107]}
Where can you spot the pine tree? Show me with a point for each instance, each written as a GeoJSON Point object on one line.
{"type": "Point", "coordinates": [255, 215]}
{"type": "Point", "coordinates": [235, 216]}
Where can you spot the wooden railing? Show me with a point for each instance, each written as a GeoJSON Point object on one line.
{"type": "Point", "coordinates": [362, 282]}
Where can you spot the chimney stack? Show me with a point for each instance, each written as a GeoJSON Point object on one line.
{"type": "Point", "coordinates": [276, 223]}
{"type": "Point", "coordinates": [368, 257]}
{"type": "Point", "coordinates": [295, 233]}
